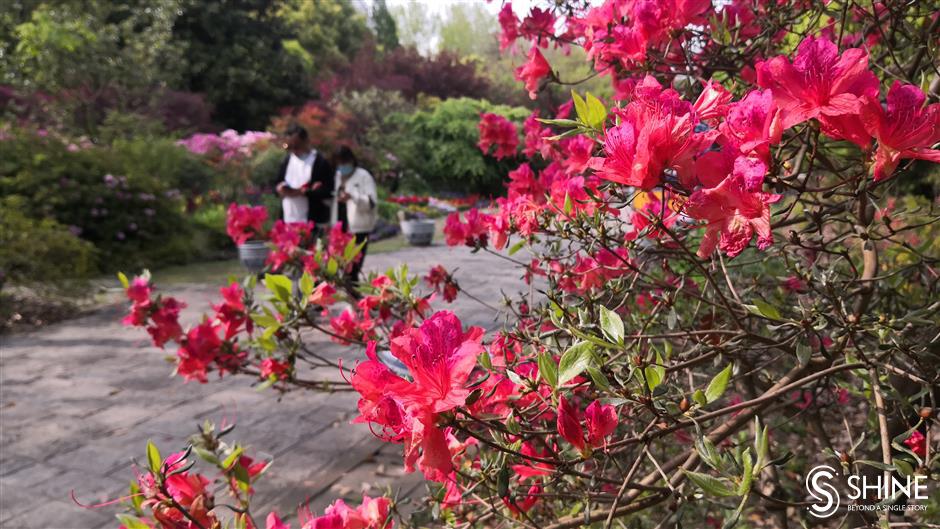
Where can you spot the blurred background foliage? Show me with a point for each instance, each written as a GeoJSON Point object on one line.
{"type": "Point", "coordinates": [95, 94]}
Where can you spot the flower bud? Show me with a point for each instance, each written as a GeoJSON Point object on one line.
{"type": "Point", "coordinates": [684, 405]}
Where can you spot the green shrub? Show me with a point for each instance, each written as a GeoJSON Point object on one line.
{"type": "Point", "coordinates": [440, 145]}
{"type": "Point", "coordinates": [388, 211]}
{"type": "Point", "coordinates": [41, 254]}
{"type": "Point", "coordinates": [134, 218]}
{"type": "Point", "coordinates": [265, 167]}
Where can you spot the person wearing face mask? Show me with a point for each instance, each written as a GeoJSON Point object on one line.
{"type": "Point", "coordinates": [356, 202]}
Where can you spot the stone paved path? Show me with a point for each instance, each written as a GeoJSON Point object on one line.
{"type": "Point", "coordinates": [80, 399]}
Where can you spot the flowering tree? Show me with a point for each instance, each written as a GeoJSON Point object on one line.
{"type": "Point", "coordinates": [733, 289]}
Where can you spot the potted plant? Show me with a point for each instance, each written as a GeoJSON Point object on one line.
{"type": "Point", "coordinates": [245, 225]}
{"type": "Point", "coordinates": [416, 226]}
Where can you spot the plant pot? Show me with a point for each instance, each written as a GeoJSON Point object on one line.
{"type": "Point", "coordinates": [253, 255]}
{"type": "Point", "coordinates": [418, 232]}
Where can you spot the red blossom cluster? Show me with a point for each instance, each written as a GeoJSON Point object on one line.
{"type": "Point", "coordinates": [443, 283]}
{"type": "Point", "coordinates": [495, 130]}
{"type": "Point", "coordinates": [439, 356]}
{"type": "Point", "coordinates": [372, 513]}
{"type": "Point", "coordinates": [611, 210]}
{"type": "Point", "coordinates": [244, 223]}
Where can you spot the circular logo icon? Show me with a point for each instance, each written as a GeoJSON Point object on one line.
{"type": "Point", "coordinates": [825, 494]}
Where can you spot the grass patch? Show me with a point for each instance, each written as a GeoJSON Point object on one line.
{"type": "Point", "coordinates": [209, 272]}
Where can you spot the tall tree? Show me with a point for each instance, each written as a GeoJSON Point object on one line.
{"type": "Point", "coordinates": [417, 28]}
{"type": "Point", "coordinates": [386, 33]}
{"type": "Point", "coordinates": [234, 54]}
{"type": "Point", "coordinates": [330, 32]}
{"type": "Point", "coordinates": [469, 29]}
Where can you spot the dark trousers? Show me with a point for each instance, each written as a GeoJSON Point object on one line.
{"type": "Point", "coordinates": [357, 266]}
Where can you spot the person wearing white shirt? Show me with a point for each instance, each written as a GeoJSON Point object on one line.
{"type": "Point", "coordinates": [356, 203]}
{"type": "Point", "coordinates": [304, 181]}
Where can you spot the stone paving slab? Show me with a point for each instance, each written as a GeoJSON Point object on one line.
{"type": "Point", "coordinates": [80, 399]}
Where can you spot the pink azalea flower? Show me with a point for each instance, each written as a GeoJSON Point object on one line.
{"type": "Point", "coordinates": [509, 24]}
{"type": "Point", "coordinates": [439, 356]}
{"type": "Point", "coordinates": [165, 322]}
{"type": "Point", "coordinates": [472, 232]}
{"type": "Point", "coordinates": [442, 282]}
{"type": "Point", "coordinates": [568, 423]}
{"type": "Point", "coordinates": [371, 514]}
{"type": "Point", "coordinates": [733, 215]}
{"type": "Point", "coordinates": [231, 313]}
{"type": "Point", "coordinates": [525, 504]}
{"type": "Point", "coordinates": [245, 222]}
{"type": "Point", "coordinates": [917, 443]}
{"type": "Point", "coordinates": [821, 84]}
{"type": "Point", "coordinates": [499, 131]}
{"type": "Point", "coordinates": [274, 522]}
{"type": "Point", "coordinates": [537, 25]}
{"type": "Point", "coordinates": [522, 182]}
{"type": "Point", "coordinates": [753, 124]}
{"type": "Point", "coordinates": [322, 295]}
{"type": "Point", "coordinates": [576, 152]}
{"type": "Point", "coordinates": [270, 366]}
{"type": "Point", "coordinates": [906, 129]}
{"type": "Point", "coordinates": [200, 348]}
{"type": "Point", "coordinates": [533, 71]}
{"type": "Point", "coordinates": [713, 101]}
{"type": "Point", "coordinates": [657, 132]}
{"type": "Point", "coordinates": [535, 137]}
{"type": "Point", "coordinates": [601, 421]}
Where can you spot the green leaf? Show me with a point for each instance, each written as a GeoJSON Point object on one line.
{"type": "Point", "coordinates": [597, 376]}
{"type": "Point", "coordinates": [516, 247]}
{"type": "Point", "coordinates": [761, 443]}
{"type": "Point", "coordinates": [707, 451]}
{"type": "Point", "coordinates": [904, 467]}
{"type": "Point", "coordinates": [352, 249]}
{"type": "Point", "coordinates": [265, 320]}
{"type": "Point", "coordinates": [206, 455]}
{"type": "Point", "coordinates": [803, 354]}
{"type": "Point", "coordinates": [278, 285]}
{"type": "Point", "coordinates": [547, 369]}
{"type": "Point", "coordinates": [306, 285]}
{"type": "Point", "coordinates": [242, 477]}
{"type": "Point", "coordinates": [123, 279]}
{"type": "Point", "coordinates": [580, 107]}
{"type": "Point", "coordinates": [568, 206]}
{"type": "Point", "coordinates": [559, 122]}
{"type": "Point", "coordinates": [153, 457]}
{"type": "Point", "coordinates": [486, 361]}
{"type": "Point", "coordinates": [877, 464]}
{"type": "Point", "coordinates": [596, 111]}
{"type": "Point", "coordinates": [655, 373]}
{"type": "Point", "coordinates": [612, 325]}
{"type": "Point", "coordinates": [332, 266]}
{"type": "Point", "coordinates": [699, 397]}
{"type": "Point", "coordinates": [653, 377]}
{"type": "Point", "coordinates": [710, 484]}
{"type": "Point", "coordinates": [762, 308]}
{"type": "Point", "coordinates": [575, 360]}
{"type": "Point", "coordinates": [717, 386]}
{"type": "Point", "coordinates": [747, 477]}
{"type": "Point", "coordinates": [131, 522]}
{"type": "Point", "coordinates": [232, 457]}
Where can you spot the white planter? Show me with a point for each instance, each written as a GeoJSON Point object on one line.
{"type": "Point", "coordinates": [419, 232]}
{"type": "Point", "coordinates": [253, 255]}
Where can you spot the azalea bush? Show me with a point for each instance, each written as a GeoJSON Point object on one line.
{"type": "Point", "coordinates": [722, 287]}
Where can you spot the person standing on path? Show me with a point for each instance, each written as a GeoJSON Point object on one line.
{"type": "Point", "coordinates": [305, 181]}
{"type": "Point", "coordinates": [356, 203]}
